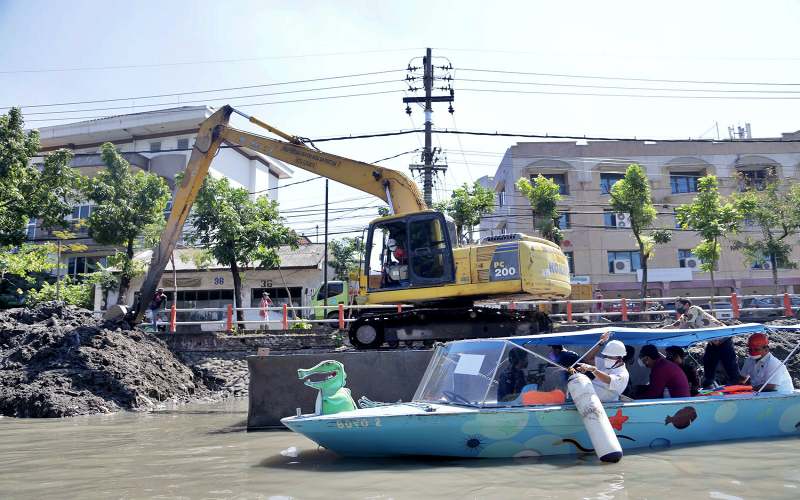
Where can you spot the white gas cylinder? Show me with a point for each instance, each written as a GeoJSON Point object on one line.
{"type": "Point", "coordinates": [594, 417]}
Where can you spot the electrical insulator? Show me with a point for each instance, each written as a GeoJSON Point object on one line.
{"type": "Point", "coordinates": [451, 110]}
{"type": "Point", "coordinates": [408, 110]}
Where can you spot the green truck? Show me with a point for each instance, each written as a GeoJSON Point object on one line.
{"type": "Point", "coordinates": [338, 293]}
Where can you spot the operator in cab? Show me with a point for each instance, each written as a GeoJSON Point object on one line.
{"type": "Point", "coordinates": [761, 367]}
{"type": "Point", "coordinates": [609, 370]}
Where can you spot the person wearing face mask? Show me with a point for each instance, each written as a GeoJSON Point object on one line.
{"type": "Point", "coordinates": [761, 367]}
{"type": "Point", "coordinates": [609, 370]}
{"type": "Point", "coordinates": [717, 351]}
{"type": "Point", "coordinates": [664, 376]}
{"type": "Point", "coordinates": [678, 356]}
{"type": "Point", "coordinates": [512, 379]}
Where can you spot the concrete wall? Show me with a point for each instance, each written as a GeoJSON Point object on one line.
{"type": "Point", "coordinates": [275, 391]}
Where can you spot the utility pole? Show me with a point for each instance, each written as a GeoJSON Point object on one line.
{"type": "Point", "coordinates": [428, 168]}
{"type": "Point", "coordinates": [325, 262]}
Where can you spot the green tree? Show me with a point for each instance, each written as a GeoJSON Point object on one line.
{"type": "Point", "coordinates": [238, 231]}
{"type": "Point", "coordinates": [68, 290]}
{"type": "Point", "coordinates": [712, 218]}
{"type": "Point", "coordinates": [26, 191]}
{"type": "Point", "coordinates": [466, 206]}
{"type": "Point", "coordinates": [126, 203]}
{"type": "Point", "coordinates": [345, 256]}
{"type": "Point", "coordinates": [775, 213]}
{"type": "Point", "coordinates": [543, 195]}
{"type": "Point", "coordinates": [26, 260]}
{"type": "Point", "coordinates": [631, 195]}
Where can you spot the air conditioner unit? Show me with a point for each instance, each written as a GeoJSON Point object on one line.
{"type": "Point", "coordinates": [623, 220]}
{"type": "Point", "coordinates": [767, 265]}
{"type": "Point", "coordinates": [692, 263]}
{"type": "Point", "coordinates": [621, 266]}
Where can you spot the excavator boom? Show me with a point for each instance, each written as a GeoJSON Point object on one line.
{"type": "Point", "coordinates": [395, 188]}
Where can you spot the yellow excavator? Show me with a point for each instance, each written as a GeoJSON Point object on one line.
{"type": "Point", "coordinates": [411, 256]}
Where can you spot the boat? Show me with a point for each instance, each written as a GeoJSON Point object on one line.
{"type": "Point", "coordinates": [455, 411]}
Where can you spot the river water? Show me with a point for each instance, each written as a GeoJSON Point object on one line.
{"type": "Point", "coordinates": [203, 451]}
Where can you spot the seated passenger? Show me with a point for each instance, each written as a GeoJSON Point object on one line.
{"type": "Point", "coordinates": [664, 375]}
{"type": "Point", "coordinates": [563, 357]}
{"type": "Point", "coordinates": [610, 374]}
{"type": "Point", "coordinates": [761, 367]}
{"type": "Point", "coordinates": [512, 379]}
{"type": "Point", "coordinates": [678, 356]}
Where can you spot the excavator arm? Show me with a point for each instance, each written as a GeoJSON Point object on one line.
{"type": "Point", "coordinates": [395, 188]}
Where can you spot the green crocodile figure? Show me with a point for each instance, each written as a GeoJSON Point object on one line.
{"type": "Point", "coordinates": [333, 396]}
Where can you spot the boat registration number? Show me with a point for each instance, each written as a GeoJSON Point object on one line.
{"type": "Point", "coordinates": [359, 423]}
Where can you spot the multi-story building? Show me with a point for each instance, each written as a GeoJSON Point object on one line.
{"type": "Point", "coordinates": [155, 141]}
{"type": "Point", "coordinates": [599, 244]}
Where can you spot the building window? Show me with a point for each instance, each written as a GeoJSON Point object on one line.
{"type": "Point", "coordinates": [30, 230]}
{"type": "Point", "coordinates": [631, 256]}
{"type": "Point", "coordinates": [501, 198]}
{"type": "Point", "coordinates": [607, 181]}
{"type": "Point", "coordinates": [183, 143]}
{"type": "Point", "coordinates": [683, 255]}
{"type": "Point", "coordinates": [754, 179]}
{"type": "Point", "coordinates": [155, 147]}
{"type": "Point", "coordinates": [77, 266]}
{"type": "Point", "coordinates": [684, 182]}
{"type": "Point", "coordinates": [564, 221]}
{"type": "Point", "coordinates": [570, 262]}
{"type": "Point", "coordinates": [81, 212]}
{"type": "Point", "coordinates": [559, 179]}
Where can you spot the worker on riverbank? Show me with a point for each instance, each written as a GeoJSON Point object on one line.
{"type": "Point", "coordinates": [609, 370]}
{"type": "Point", "coordinates": [761, 367]}
{"type": "Point", "coordinates": [717, 351]}
{"type": "Point", "coordinates": [159, 298]}
{"type": "Point", "coordinates": [263, 310]}
{"type": "Point", "coordinates": [666, 378]}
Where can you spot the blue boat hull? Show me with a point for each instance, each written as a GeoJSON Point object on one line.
{"type": "Point", "coordinates": [448, 430]}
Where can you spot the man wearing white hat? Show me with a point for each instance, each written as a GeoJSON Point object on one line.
{"type": "Point", "coordinates": [610, 374]}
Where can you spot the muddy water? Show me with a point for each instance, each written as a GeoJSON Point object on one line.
{"type": "Point", "coordinates": [202, 451]}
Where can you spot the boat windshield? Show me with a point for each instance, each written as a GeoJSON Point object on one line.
{"type": "Point", "coordinates": [475, 373]}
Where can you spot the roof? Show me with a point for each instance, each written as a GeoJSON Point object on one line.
{"type": "Point", "coordinates": [305, 256]}
{"type": "Point", "coordinates": [640, 336]}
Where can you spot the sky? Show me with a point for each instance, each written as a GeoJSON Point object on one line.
{"type": "Point", "coordinates": [59, 52]}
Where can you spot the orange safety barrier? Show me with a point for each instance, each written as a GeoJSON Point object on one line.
{"type": "Point", "coordinates": [624, 308]}
{"type": "Point", "coordinates": [341, 316]}
{"type": "Point", "coordinates": [735, 305]}
{"type": "Point", "coordinates": [531, 398]}
{"type": "Point", "coordinates": [569, 312]}
{"type": "Point", "coordinates": [787, 305]}
{"type": "Point", "coordinates": [285, 321]}
{"type": "Point", "coordinates": [229, 319]}
{"type": "Point", "coordinates": [172, 315]}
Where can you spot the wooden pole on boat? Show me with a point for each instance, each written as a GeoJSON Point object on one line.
{"type": "Point", "coordinates": [775, 371]}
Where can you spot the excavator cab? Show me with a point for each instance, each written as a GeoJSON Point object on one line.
{"type": "Point", "coordinates": [410, 251]}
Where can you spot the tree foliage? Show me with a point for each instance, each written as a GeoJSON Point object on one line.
{"type": "Point", "coordinates": [26, 260]}
{"type": "Point", "coordinates": [631, 195]}
{"type": "Point", "coordinates": [712, 218]}
{"type": "Point", "coordinates": [543, 195]}
{"type": "Point", "coordinates": [126, 203]}
{"type": "Point", "coordinates": [238, 231]}
{"type": "Point", "coordinates": [346, 254]}
{"type": "Point", "coordinates": [27, 191]}
{"type": "Point", "coordinates": [466, 206]}
{"type": "Point", "coordinates": [69, 291]}
{"type": "Point", "coordinates": [775, 213]}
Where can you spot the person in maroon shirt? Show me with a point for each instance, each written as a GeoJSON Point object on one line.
{"type": "Point", "coordinates": [664, 374]}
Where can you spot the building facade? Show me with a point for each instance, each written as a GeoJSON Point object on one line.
{"type": "Point", "coordinates": [155, 141]}
{"type": "Point", "coordinates": [599, 243]}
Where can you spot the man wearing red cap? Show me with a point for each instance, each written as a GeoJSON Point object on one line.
{"type": "Point", "coordinates": [762, 367]}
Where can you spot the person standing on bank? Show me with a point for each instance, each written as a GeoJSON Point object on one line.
{"type": "Point", "coordinates": [263, 307]}
{"type": "Point", "coordinates": [609, 370]}
{"type": "Point", "coordinates": [155, 305]}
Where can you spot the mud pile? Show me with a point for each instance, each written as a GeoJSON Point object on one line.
{"type": "Point", "coordinates": [58, 361]}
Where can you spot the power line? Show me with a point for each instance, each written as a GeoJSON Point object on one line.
{"type": "Point", "coordinates": [620, 87]}
{"type": "Point", "coordinates": [194, 63]}
{"type": "Point", "coordinates": [646, 96]}
{"type": "Point", "coordinates": [629, 79]}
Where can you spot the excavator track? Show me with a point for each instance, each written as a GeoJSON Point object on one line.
{"type": "Point", "coordinates": [428, 325]}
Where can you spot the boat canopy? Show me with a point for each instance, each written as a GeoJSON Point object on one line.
{"type": "Point", "coordinates": [639, 336]}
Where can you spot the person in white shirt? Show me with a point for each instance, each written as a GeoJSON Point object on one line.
{"type": "Point", "coordinates": [761, 367]}
{"type": "Point", "coordinates": [610, 373]}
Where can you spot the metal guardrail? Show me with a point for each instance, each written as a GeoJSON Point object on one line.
{"type": "Point", "coordinates": [624, 313]}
